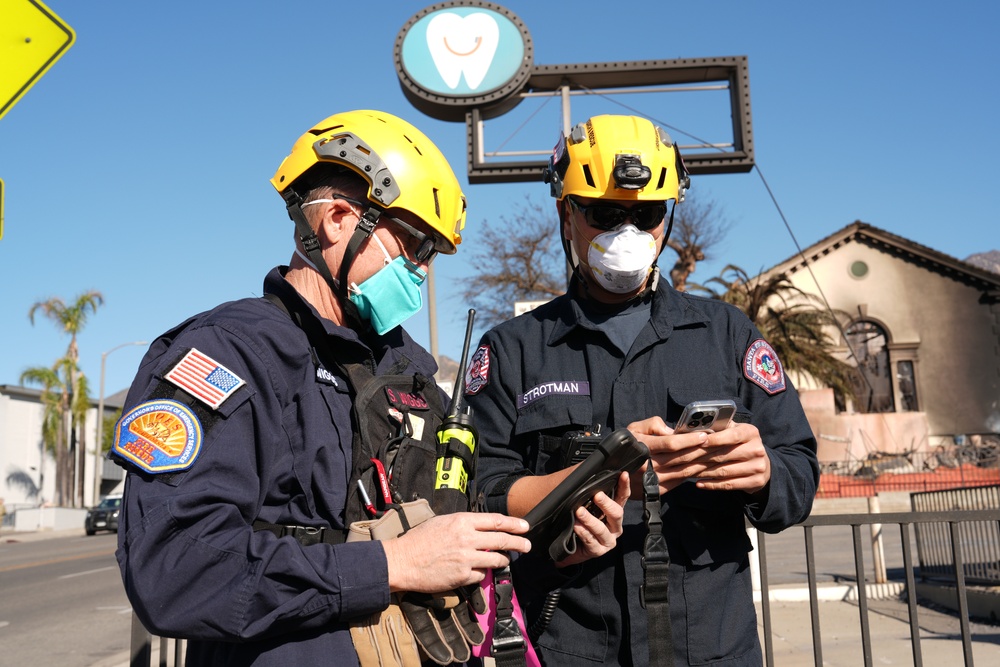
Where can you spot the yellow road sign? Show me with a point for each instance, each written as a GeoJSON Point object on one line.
{"type": "Point", "coordinates": [32, 38]}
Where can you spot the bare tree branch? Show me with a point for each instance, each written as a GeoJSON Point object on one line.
{"type": "Point", "coordinates": [520, 259]}
{"type": "Point", "coordinates": [699, 226]}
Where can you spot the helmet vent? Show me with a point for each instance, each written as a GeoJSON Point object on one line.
{"type": "Point", "coordinates": [415, 147]}
{"type": "Point", "coordinates": [318, 131]}
{"type": "Point", "coordinates": [437, 203]}
{"type": "Point", "coordinates": [663, 178]}
{"type": "Point", "coordinates": [587, 175]}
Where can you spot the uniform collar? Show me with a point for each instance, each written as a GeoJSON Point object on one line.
{"type": "Point", "coordinates": [386, 349]}
{"type": "Point", "coordinates": [670, 310]}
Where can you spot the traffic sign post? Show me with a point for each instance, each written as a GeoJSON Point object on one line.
{"type": "Point", "coordinates": [32, 38]}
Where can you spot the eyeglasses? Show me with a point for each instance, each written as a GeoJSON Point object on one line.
{"type": "Point", "coordinates": [427, 246]}
{"type": "Point", "coordinates": [609, 216]}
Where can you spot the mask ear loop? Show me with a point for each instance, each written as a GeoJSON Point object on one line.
{"type": "Point", "coordinates": [354, 288]}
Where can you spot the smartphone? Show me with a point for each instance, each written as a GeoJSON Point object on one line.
{"type": "Point", "coordinates": [706, 416]}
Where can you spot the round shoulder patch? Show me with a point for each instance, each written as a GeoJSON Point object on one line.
{"type": "Point", "coordinates": [762, 367]}
{"type": "Point", "coordinates": [478, 374]}
{"type": "Point", "coordinates": [159, 436]}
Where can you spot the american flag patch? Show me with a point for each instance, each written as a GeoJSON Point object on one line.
{"type": "Point", "coordinates": [204, 378]}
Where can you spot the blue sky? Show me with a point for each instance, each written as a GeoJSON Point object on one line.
{"type": "Point", "coordinates": [139, 164]}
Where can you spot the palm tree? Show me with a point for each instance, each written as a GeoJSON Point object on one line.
{"type": "Point", "coordinates": [71, 318]}
{"type": "Point", "coordinates": [53, 421]}
{"type": "Point", "coordinates": [793, 321]}
{"type": "Point", "coordinates": [78, 412]}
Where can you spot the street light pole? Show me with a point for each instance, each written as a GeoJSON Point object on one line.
{"type": "Point", "coordinates": [100, 421]}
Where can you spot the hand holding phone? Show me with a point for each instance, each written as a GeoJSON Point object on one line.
{"type": "Point", "coordinates": [706, 416]}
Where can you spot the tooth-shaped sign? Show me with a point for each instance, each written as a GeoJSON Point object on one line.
{"type": "Point", "coordinates": [462, 45]}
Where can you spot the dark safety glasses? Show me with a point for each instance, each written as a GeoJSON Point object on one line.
{"type": "Point", "coordinates": [609, 216]}
{"type": "Point", "coordinates": [427, 246]}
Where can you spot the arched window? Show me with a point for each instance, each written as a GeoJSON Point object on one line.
{"type": "Point", "coordinates": [873, 386]}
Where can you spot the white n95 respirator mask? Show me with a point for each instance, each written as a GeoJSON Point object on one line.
{"type": "Point", "coordinates": [622, 258]}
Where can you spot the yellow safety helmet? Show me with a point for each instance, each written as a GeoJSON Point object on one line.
{"type": "Point", "coordinates": [617, 157]}
{"type": "Point", "coordinates": [404, 169]}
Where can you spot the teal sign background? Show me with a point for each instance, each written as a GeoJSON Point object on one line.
{"type": "Point", "coordinates": [419, 63]}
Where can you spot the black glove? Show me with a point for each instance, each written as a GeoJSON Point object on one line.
{"type": "Point", "coordinates": [444, 624]}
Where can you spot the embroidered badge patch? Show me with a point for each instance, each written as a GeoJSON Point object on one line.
{"type": "Point", "coordinates": [159, 436]}
{"type": "Point", "coordinates": [762, 367]}
{"type": "Point", "coordinates": [569, 388]}
{"type": "Point", "coordinates": [204, 378]}
{"type": "Point", "coordinates": [477, 375]}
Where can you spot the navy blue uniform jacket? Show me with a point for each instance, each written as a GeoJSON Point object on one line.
{"type": "Point", "coordinates": [552, 371]}
{"type": "Point", "coordinates": [278, 449]}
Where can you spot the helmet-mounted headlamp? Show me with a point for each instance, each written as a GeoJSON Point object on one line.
{"type": "Point", "coordinates": [630, 173]}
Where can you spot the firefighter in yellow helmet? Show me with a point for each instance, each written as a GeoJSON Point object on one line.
{"type": "Point", "coordinates": [397, 182]}
{"type": "Point", "coordinates": [622, 349]}
{"type": "Point", "coordinates": [279, 513]}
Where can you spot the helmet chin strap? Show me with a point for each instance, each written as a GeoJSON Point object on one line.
{"type": "Point", "coordinates": [314, 251]}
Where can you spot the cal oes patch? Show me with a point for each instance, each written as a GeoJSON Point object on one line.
{"type": "Point", "coordinates": [762, 367]}
{"type": "Point", "coordinates": [159, 436]}
{"type": "Point", "coordinates": [478, 374]}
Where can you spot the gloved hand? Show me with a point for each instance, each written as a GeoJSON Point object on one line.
{"type": "Point", "coordinates": [442, 624]}
{"type": "Point", "coordinates": [385, 640]}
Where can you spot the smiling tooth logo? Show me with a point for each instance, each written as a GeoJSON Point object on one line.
{"type": "Point", "coordinates": [460, 53]}
{"type": "Point", "coordinates": [463, 45]}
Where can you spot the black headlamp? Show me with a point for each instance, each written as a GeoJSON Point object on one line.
{"type": "Point", "coordinates": [630, 173]}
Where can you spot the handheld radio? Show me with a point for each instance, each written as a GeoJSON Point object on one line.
{"type": "Point", "coordinates": [457, 437]}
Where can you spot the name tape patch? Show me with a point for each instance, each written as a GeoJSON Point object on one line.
{"type": "Point", "coordinates": [762, 367]}
{"type": "Point", "coordinates": [159, 436]}
{"type": "Point", "coordinates": [564, 388]}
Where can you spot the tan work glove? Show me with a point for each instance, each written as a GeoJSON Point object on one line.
{"type": "Point", "coordinates": [385, 640]}
{"type": "Point", "coordinates": [442, 624]}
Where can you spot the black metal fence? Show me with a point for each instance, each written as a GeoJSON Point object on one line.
{"type": "Point", "coordinates": [979, 540]}
{"type": "Point", "coordinates": [959, 545]}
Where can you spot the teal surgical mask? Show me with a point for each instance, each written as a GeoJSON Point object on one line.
{"type": "Point", "coordinates": [392, 295]}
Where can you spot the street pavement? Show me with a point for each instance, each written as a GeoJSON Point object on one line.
{"type": "Point", "coordinates": [791, 628]}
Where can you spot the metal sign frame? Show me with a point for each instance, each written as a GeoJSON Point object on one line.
{"type": "Point", "coordinates": [732, 72]}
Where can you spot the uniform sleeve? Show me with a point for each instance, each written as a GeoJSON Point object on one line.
{"type": "Point", "coordinates": [192, 565]}
{"type": "Point", "coordinates": [501, 459]}
{"type": "Point", "coordinates": [790, 444]}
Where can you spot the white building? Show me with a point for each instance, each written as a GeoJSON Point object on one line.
{"type": "Point", "coordinates": [27, 471]}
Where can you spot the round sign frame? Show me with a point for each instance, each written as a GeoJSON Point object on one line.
{"type": "Point", "coordinates": [452, 106]}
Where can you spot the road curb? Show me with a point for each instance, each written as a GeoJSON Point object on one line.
{"type": "Point", "coordinates": [14, 536]}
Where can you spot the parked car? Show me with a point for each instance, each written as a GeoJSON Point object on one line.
{"type": "Point", "coordinates": [104, 516]}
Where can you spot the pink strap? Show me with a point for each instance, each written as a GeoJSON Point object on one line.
{"type": "Point", "coordinates": [488, 621]}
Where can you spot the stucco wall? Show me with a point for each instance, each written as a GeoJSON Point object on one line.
{"type": "Point", "coordinates": [936, 319]}
{"type": "Point", "coordinates": [852, 437]}
{"type": "Point", "coordinates": [21, 452]}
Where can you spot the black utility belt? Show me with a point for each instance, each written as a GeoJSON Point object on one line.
{"type": "Point", "coordinates": [304, 535]}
